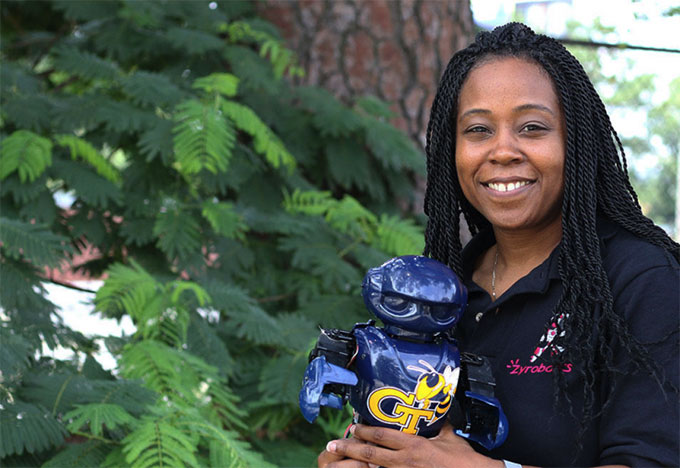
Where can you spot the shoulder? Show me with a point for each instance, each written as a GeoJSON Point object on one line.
{"type": "Point", "coordinates": [644, 281]}
{"type": "Point", "coordinates": [626, 258]}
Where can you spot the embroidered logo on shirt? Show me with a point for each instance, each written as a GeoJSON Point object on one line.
{"type": "Point", "coordinates": [516, 368]}
{"type": "Point", "coordinates": [546, 342]}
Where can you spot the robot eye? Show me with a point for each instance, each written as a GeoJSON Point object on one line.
{"type": "Point", "coordinates": [397, 305]}
{"type": "Point", "coordinates": [441, 312]}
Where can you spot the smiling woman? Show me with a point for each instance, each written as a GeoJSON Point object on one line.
{"type": "Point", "coordinates": [573, 292]}
{"type": "Point", "coordinates": [510, 147]}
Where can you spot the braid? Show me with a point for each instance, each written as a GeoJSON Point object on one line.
{"type": "Point", "coordinates": [595, 182]}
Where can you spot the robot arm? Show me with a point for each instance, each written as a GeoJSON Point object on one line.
{"type": "Point", "coordinates": [327, 379]}
{"type": "Point", "coordinates": [481, 418]}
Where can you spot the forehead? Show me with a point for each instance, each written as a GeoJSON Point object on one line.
{"type": "Point", "coordinates": [507, 80]}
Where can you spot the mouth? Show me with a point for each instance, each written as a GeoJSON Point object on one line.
{"type": "Point", "coordinates": [508, 186]}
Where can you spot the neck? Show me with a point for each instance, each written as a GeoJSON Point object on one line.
{"type": "Point", "coordinates": [516, 253]}
{"type": "Point", "coordinates": [527, 247]}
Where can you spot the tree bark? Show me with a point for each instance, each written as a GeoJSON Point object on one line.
{"type": "Point", "coordinates": [393, 49]}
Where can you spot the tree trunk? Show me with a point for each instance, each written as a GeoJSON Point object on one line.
{"type": "Point", "coordinates": [393, 49]}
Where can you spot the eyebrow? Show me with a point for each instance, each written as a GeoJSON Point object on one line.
{"type": "Point", "coordinates": [523, 107]}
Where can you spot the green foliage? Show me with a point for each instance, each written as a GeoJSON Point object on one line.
{"type": "Point", "coordinates": [628, 93]}
{"type": "Point", "coordinates": [27, 153]}
{"type": "Point", "coordinates": [32, 242]}
{"type": "Point", "coordinates": [231, 213]}
{"type": "Point", "coordinates": [97, 415]}
{"type": "Point", "coordinates": [25, 427]}
{"type": "Point", "coordinates": [203, 138]}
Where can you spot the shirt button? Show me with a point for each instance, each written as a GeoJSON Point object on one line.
{"type": "Point", "coordinates": [479, 316]}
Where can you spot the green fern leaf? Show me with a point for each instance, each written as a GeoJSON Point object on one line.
{"type": "Point", "coordinates": [350, 217]}
{"type": "Point", "coordinates": [279, 379]}
{"type": "Point", "coordinates": [33, 242]}
{"type": "Point", "coordinates": [18, 77]}
{"type": "Point", "coordinates": [331, 117]}
{"type": "Point", "coordinates": [137, 231]}
{"type": "Point", "coordinates": [176, 375]}
{"type": "Point", "coordinates": [224, 220]}
{"type": "Point", "coordinates": [204, 139]}
{"type": "Point", "coordinates": [399, 236]}
{"type": "Point", "coordinates": [27, 153]}
{"type": "Point", "coordinates": [177, 288]}
{"type": "Point", "coordinates": [254, 71]}
{"type": "Point", "coordinates": [347, 215]}
{"type": "Point", "coordinates": [203, 341]}
{"type": "Point", "coordinates": [154, 89]}
{"type": "Point", "coordinates": [122, 117]}
{"type": "Point", "coordinates": [287, 453]}
{"type": "Point", "coordinates": [375, 107]}
{"type": "Point", "coordinates": [227, 407]}
{"type": "Point", "coordinates": [226, 450]}
{"type": "Point", "coordinates": [90, 453]}
{"type": "Point", "coordinates": [297, 331]}
{"type": "Point", "coordinates": [192, 41]}
{"type": "Point", "coordinates": [157, 140]}
{"type": "Point", "coordinates": [392, 147]}
{"type": "Point", "coordinates": [128, 289]}
{"type": "Point", "coordinates": [222, 83]}
{"type": "Point", "coordinates": [85, 64]}
{"type": "Point", "coordinates": [41, 210]}
{"type": "Point", "coordinates": [265, 141]}
{"type": "Point", "coordinates": [88, 186]}
{"type": "Point", "coordinates": [157, 442]}
{"type": "Point", "coordinates": [335, 310]}
{"type": "Point", "coordinates": [85, 11]}
{"type": "Point", "coordinates": [350, 165]}
{"type": "Point", "coordinates": [15, 353]}
{"type": "Point", "coordinates": [319, 258]}
{"type": "Point", "coordinates": [27, 428]}
{"type": "Point", "coordinates": [83, 149]}
{"type": "Point", "coordinates": [178, 233]}
{"type": "Point", "coordinates": [255, 325]}
{"type": "Point", "coordinates": [310, 202]}
{"type": "Point", "coordinates": [21, 192]}
{"type": "Point", "coordinates": [97, 415]}
{"type": "Point", "coordinates": [29, 112]}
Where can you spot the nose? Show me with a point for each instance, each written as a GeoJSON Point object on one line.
{"type": "Point", "coordinates": [506, 148]}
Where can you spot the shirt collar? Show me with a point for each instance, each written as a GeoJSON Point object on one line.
{"type": "Point", "coordinates": [537, 281]}
{"type": "Point", "coordinates": [606, 229]}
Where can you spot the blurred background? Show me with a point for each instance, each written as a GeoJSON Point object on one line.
{"type": "Point", "coordinates": [190, 188]}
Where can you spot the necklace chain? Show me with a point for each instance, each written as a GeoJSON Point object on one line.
{"type": "Point", "coordinates": [493, 276]}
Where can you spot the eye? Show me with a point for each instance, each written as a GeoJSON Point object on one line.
{"type": "Point", "coordinates": [395, 303]}
{"type": "Point", "coordinates": [441, 313]}
{"type": "Point", "coordinates": [476, 129]}
{"type": "Point", "coordinates": [533, 128]}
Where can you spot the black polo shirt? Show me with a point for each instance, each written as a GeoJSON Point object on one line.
{"type": "Point", "coordinates": [641, 425]}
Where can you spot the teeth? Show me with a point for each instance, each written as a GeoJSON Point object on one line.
{"type": "Point", "coordinates": [501, 187]}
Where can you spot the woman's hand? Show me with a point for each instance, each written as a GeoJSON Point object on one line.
{"type": "Point", "coordinates": [395, 449]}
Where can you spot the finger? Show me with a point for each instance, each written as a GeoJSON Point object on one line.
{"type": "Point", "coordinates": [369, 453]}
{"type": "Point", "coordinates": [389, 438]}
{"type": "Point", "coordinates": [327, 458]}
{"type": "Point", "coordinates": [349, 463]}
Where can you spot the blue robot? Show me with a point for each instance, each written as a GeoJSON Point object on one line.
{"type": "Point", "coordinates": [408, 375]}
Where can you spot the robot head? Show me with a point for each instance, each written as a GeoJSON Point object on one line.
{"type": "Point", "coordinates": [415, 293]}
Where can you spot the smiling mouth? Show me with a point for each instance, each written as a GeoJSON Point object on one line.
{"type": "Point", "coordinates": [509, 186]}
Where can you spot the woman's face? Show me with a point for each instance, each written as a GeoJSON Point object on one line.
{"type": "Point", "coordinates": [510, 144]}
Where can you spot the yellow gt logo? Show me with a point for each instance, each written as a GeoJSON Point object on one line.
{"type": "Point", "coordinates": [410, 408]}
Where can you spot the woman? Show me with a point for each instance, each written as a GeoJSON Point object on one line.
{"type": "Point", "coordinates": [573, 292]}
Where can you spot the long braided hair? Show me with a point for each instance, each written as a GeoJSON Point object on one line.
{"type": "Point", "coordinates": [595, 182]}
